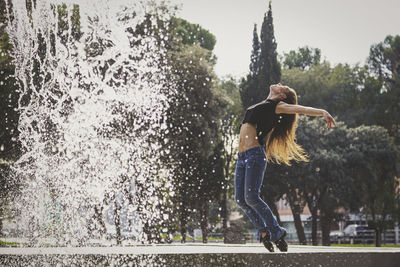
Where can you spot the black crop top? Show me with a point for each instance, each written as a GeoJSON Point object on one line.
{"type": "Point", "coordinates": [263, 116]}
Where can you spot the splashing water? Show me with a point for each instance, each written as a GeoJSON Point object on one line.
{"type": "Point", "coordinates": [92, 109]}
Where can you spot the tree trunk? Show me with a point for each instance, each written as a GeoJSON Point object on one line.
{"type": "Point", "coordinates": [98, 212]}
{"type": "Point", "coordinates": [299, 225]}
{"type": "Point", "coordinates": [227, 174]}
{"type": "Point", "coordinates": [117, 222]}
{"type": "Point", "coordinates": [272, 206]}
{"type": "Point", "coordinates": [183, 220]}
{"type": "Point", "coordinates": [224, 212]}
{"type": "Point", "coordinates": [296, 211]}
{"type": "Point", "coordinates": [314, 221]}
{"type": "Point", "coordinates": [326, 229]}
{"type": "Point", "coordinates": [204, 219]}
{"type": "Point", "coordinates": [314, 229]}
{"type": "Point", "coordinates": [378, 239]}
{"type": "Point", "coordinates": [1, 219]}
{"type": "Point", "coordinates": [128, 194]}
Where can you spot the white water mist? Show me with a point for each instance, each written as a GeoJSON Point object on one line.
{"type": "Point", "coordinates": [92, 105]}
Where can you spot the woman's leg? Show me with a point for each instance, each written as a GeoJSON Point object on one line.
{"type": "Point", "coordinates": [254, 173]}
{"type": "Point", "coordinates": [240, 196]}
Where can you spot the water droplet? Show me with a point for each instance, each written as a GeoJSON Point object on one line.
{"type": "Point", "coordinates": [101, 111]}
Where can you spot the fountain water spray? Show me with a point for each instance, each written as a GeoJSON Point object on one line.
{"type": "Point", "coordinates": [93, 98]}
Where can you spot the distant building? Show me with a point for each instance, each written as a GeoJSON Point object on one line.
{"type": "Point", "coordinates": [286, 216]}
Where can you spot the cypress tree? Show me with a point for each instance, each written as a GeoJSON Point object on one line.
{"type": "Point", "coordinates": [270, 69]}
{"type": "Point", "coordinates": [264, 66]}
{"type": "Point", "coordinates": [255, 54]}
{"type": "Point", "coordinates": [248, 87]}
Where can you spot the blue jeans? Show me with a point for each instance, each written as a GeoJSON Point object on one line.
{"type": "Point", "coordinates": [250, 169]}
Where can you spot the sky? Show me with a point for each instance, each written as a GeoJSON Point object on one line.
{"type": "Point", "coordinates": [344, 30]}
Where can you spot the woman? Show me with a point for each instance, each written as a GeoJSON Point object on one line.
{"type": "Point", "coordinates": [268, 133]}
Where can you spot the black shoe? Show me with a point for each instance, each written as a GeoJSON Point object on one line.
{"type": "Point", "coordinates": [281, 243]}
{"type": "Point", "coordinates": [266, 241]}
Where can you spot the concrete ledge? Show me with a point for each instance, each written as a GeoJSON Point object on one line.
{"type": "Point", "coordinates": [199, 255]}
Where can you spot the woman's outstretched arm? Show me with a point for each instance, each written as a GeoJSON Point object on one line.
{"type": "Point", "coordinates": [283, 107]}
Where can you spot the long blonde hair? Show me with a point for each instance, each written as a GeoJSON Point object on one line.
{"type": "Point", "coordinates": [281, 144]}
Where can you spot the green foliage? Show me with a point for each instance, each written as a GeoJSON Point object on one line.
{"type": "Point", "coordinates": [192, 34]}
{"type": "Point", "coordinates": [384, 61]}
{"type": "Point", "coordinates": [234, 110]}
{"type": "Point", "coordinates": [303, 59]}
{"type": "Point", "coordinates": [346, 164]}
{"type": "Point", "coordinates": [371, 161]}
{"type": "Point", "coordinates": [269, 67]}
{"type": "Point", "coordinates": [350, 93]}
{"type": "Point", "coordinates": [356, 95]}
{"type": "Point", "coordinates": [384, 58]}
{"type": "Point", "coordinates": [255, 54]}
{"type": "Point", "coordinates": [195, 143]}
{"type": "Point", "coordinates": [349, 167]}
{"type": "Point", "coordinates": [345, 167]}
{"type": "Point", "coordinates": [322, 182]}
{"type": "Point", "coordinates": [196, 106]}
{"type": "Point", "coordinates": [264, 68]}
{"type": "Point", "coordinates": [230, 125]}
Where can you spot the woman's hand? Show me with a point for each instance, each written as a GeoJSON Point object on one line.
{"type": "Point", "coordinates": [329, 119]}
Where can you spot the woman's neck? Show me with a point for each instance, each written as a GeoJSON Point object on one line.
{"type": "Point", "coordinates": [273, 97]}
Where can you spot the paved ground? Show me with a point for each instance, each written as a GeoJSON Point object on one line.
{"type": "Point", "coordinates": [189, 249]}
{"type": "Point", "coordinates": [192, 254]}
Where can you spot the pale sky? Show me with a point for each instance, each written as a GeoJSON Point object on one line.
{"type": "Point", "coordinates": [344, 30]}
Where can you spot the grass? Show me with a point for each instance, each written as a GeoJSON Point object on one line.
{"type": "Point", "coordinates": [178, 237]}
{"type": "Point", "coordinates": [174, 238]}
{"type": "Point", "coordinates": [3, 243]}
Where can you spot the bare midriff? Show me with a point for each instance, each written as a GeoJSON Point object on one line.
{"type": "Point", "coordinates": [248, 137]}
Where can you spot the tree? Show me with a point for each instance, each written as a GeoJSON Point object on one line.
{"type": "Point", "coordinates": [249, 90]}
{"type": "Point", "coordinates": [194, 132]}
{"type": "Point", "coordinates": [255, 54]}
{"type": "Point", "coordinates": [384, 61]}
{"type": "Point", "coordinates": [264, 68]}
{"type": "Point", "coordinates": [269, 68]}
{"type": "Point", "coordinates": [371, 161]}
{"type": "Point", "coordinates": [321, 182]}
{"type": "Point", "coordinates": [285, 180]}
{"type": "Point", "coordinates": [339, 89]}
{"type": "Point", "coordinates": [384, 58]}
{"type": "Point", "coordinates": [230, 125]}
{"type": "Point", "coordinates": [195, 120]}
{"type": "Point", "coordinates": [345, 166]}
{"type": "Point", "coordinates": [303, 59]}
{"type": "Point", "coordinates": [192, 34]}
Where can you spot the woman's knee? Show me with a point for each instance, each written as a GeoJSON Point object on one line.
{"type": "Point", "coordinates": [252, 199]}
